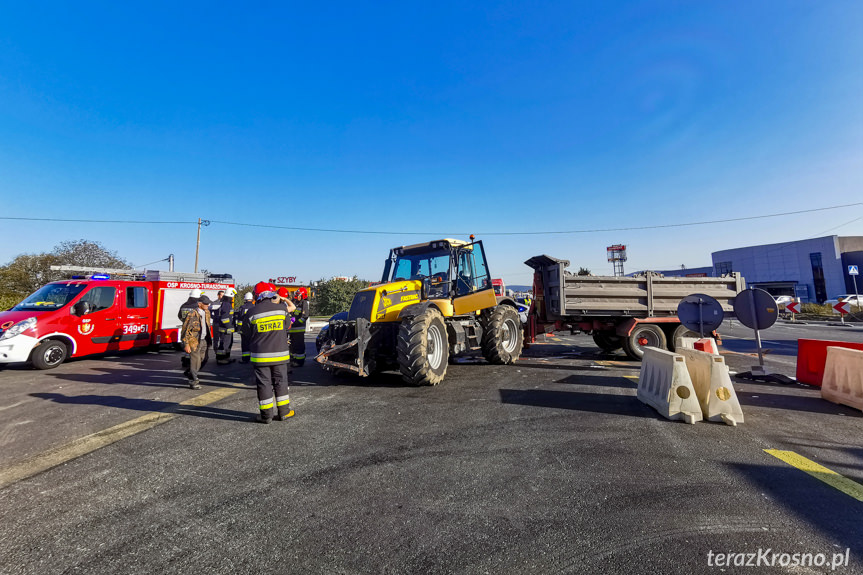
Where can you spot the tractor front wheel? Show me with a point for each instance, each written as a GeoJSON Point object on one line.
{"type": "Point", "coordinates": [502, 338]}
{"type": "Point", "coordinates": [423, 348]}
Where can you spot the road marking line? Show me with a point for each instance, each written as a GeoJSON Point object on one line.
{"type": "Point", "coordinates": [817, 471]}
{"type": "Point", "coordinates": [89, 443]}
{"type": "Point", "coordinates": [631, 377]}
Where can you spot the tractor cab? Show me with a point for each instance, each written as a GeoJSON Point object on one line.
{"type": "Point", "coordinates": [448, 269]}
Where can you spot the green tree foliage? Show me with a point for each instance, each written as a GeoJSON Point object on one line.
{"type": "Point", "coordinates": [583, 272]}
{"type": "Point", "coordinates": [28, 272]}
{"type": "Point", "coordinates": [335, 295]}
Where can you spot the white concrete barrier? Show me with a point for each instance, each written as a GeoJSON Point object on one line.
{"type": "Point", "coordinates": [843, 377]}
{"type": "Point", "coordinates": [713, 386]}
{"type": "Point", "coordinates": [685, 343]}
{"type": "Point", "coordinates": [705, 344]}
{"type": "Point", "coordinates": [664, 384]}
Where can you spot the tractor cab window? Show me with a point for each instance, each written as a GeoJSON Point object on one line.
{"type": "Point", "coordinates": [432, 264]}
{"type": "Point", "coordinates": [472, 272]}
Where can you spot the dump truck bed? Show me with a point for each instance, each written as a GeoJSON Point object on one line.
{"type": "Point", "coordinates": [570, 297]}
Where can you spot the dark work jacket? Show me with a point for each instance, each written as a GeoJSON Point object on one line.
{"type": "Point", "coordinates": [266, 329]}
{"type": "Point", "coordinates": [191, 303]}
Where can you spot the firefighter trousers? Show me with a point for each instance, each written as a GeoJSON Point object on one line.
{"type": "Point", "coordinates": [298, 348]}
{"type": "Point", "coordinates": [223, 346]}
{"type": "Point", "coordinates": [272, 382]}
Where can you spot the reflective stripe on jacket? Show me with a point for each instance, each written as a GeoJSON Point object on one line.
{"type": "Point", "coordinates": [266, 329]}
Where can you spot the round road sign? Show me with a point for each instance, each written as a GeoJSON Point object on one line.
{"type": "Point", "coordinates": [756, 308]}
{"type": "Point", "coordinates": [700, 313]}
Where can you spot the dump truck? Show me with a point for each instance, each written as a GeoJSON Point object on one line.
{"type": "Point", "coordinates": [435, 301]}
{"type": "Point", "coordinates": [619, 312]}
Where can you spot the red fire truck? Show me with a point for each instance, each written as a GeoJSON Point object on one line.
{"type": "Point", "coordinates": [99, 313]}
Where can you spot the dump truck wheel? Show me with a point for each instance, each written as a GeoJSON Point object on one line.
{"type": "Point", "coordinates": [680, 331]}
{"type": "Point", "coordinates": [607, 342]}
{"type": "Point", "coordinates": [502, 338]}
{"type": "Point", "coordinates": [423, 348]}
{"type": "Point", "coordinates": [644, 335]}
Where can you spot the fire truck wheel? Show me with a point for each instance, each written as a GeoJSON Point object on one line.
{"type": "Point", "coordinates": [607, 341]}
{"type": "Point", "coordinates": [680, 331]}
{"type": "Point", "coordinates": [502, 338]}
{"type": "Point", "coordinates": [49, 354]}
{"type": "Point", "coordinates": [643, 335]}
{"type": "Point", "coordinates": [423, 348]}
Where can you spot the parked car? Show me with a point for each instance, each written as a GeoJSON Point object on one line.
{"type": "Point", "coordinates": [854, 300]}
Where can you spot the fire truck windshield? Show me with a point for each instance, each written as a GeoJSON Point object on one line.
{"type": "Point", "coordinates": [50, 297]}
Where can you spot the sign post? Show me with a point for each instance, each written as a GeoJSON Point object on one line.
{"type": "Point", "coordinates": [755, 308]}
{"type": "Point", "coordinates": [853, 272]}
{"type": "Point", "coordinates": [843, 307]}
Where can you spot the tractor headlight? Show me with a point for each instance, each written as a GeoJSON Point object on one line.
{"type": "Point", "coordinates": [19, 327]}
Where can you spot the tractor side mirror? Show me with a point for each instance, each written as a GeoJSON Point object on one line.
{"type": "Point", "coordinates": [81, 308]}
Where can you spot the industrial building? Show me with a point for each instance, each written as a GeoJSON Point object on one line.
{"type": "Point", "coordinates": [813, 270]}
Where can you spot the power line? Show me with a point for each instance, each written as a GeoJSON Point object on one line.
{"type": "Point", "coordinates": [93, 221]}
{"type": "Point", "coordinates": [405, 233]}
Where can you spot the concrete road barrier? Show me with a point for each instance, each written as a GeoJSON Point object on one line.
{"type": "Point", "coordinates": [843, 377]}
{"type": "Point", "coordinates": [664, 384]}
{"type": "Point", "coordinates": [713, 386]}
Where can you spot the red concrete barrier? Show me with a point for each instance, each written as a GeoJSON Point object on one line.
{"type": "Point", "coordinates": [812, 357]}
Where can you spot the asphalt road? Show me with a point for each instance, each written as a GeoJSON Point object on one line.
{"type": "Point", "coordinates": [548, 466]}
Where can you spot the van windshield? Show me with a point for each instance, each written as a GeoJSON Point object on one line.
{"type": "Point", "coordinates": [51, 296]}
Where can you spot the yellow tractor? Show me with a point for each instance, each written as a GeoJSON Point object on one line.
{"type": "Point", "coordinates": [435, 301]}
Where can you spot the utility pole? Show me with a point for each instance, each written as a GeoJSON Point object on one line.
{"type": "Point", "coordinates": [198, 246]}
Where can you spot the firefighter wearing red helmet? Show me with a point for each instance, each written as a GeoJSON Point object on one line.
{"type": "Point", "coordinates": [298, 327]}
{"type": "Point", "coordinates": [266, 328]}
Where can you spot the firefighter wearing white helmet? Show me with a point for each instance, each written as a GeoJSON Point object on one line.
{"type": "Point", "coordinates": [239, 319]}
{"type": "Point", "coordinates": [224, 324]}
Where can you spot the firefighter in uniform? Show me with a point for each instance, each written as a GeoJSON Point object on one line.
{"type": "Point", "coordinates": [191, 304]}
{"type": "Point", "coordinates": [223, 323]}
{"type": "Point", "coordinates": [284, 299]}
{"type": "Point", "coordinates": [266, 329]}
{"type": "Point", "coordinates": [298, 327]}
{"type": "Point", "coordinates": [239, 319]}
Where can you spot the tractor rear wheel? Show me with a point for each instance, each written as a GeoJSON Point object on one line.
{"type": "Point", "coordinates": [423, 348]}
{"type": "Point", "coordinates": [502, 338]}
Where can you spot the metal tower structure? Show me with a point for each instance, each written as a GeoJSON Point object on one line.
{"type": "Point", "coordinates": [617, 255]}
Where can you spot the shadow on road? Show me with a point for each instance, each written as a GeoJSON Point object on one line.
{"type": "Point", "coordinates": [830, 511]}
{"type": "Point", "coordinates": [795, 403]}
{"type": "Point", "coordinates": [579, 401]}
{"type": "Point", "coordinates": [148, 405]}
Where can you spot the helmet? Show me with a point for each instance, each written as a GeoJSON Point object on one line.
{"type": "Point", "coordinates": [230, 292]}
{"type": "Point", "coordinates": [283, 293]}
{"type": "Point", "coordinates": [301, 293]}
{"type": "Point", "coordinates": [195, 293]}
{"type": "Point", "coordinates": [248, 296]}
{"type": "Point", "coordinates": [262, 287]}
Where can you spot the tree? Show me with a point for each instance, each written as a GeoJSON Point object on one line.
{"type": "Point", "coordinates": [583, 272]}
{"type": "Point", "coordinates": [88, 254]}
{"type": "Point", "coordinates": [28, 272]}
{"type": "Point", "coordinates": [335, 295]}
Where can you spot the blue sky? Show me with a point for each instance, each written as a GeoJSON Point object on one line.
{"type": "Point", "coordinates": [437, 118]}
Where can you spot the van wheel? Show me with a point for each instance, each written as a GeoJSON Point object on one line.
{"type": "Point", "coordinates": [502, 338]}
{"type": "Point", "coordinates": [49, 354]}
{"type": "Point", "coordinates": [644, 335]}
{"type": "Point", "coordinates": [423, 348]}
